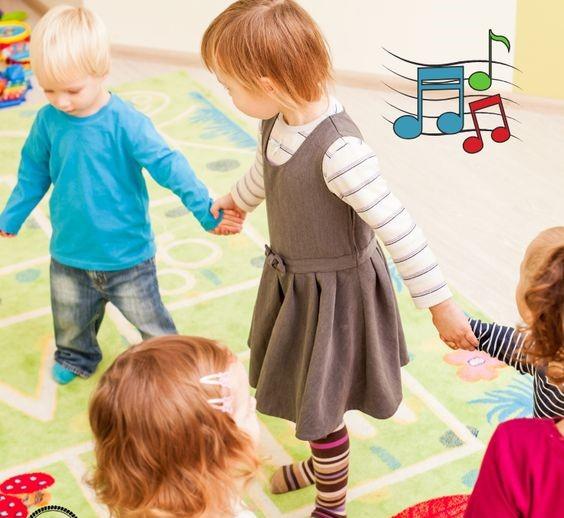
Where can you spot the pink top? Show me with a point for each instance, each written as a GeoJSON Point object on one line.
{"type": "Point", "coordinates": [522, 474]}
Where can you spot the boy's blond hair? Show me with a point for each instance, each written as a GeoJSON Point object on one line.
{"type": "Point", "coordinates": [277, 39]}
{"type": "Point", "coordinates": [69, 43]}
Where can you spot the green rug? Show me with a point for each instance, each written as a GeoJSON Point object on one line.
{"type": "Point", "coordinates": [431, 447]}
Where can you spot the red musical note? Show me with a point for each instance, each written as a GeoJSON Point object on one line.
{"type": "Point", "coordinates": [499, 134]}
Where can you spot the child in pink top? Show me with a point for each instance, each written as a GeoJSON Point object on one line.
{"type": "Point", "coordinates": [522, 474]}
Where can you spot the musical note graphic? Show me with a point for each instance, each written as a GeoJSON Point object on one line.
{"type": "Point", "coordinates": [434, 78]}
{"type": "Point", "coordinates": [481, 81]}
{"type": "Point", "coordinates": [475, 144]}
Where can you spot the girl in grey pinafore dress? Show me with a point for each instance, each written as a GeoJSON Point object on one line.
{"type": "Point", "coordinates": [326, 334]}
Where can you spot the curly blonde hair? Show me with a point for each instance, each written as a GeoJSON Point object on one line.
{"type": "Point", "coordinates": [544, 298]}
{"type": "Point", "coordinates": [161, 450]}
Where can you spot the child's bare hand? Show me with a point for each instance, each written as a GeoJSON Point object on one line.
{"type": "Point", "coordinates": [233, 216]}
{"type": "Point", "coordinates": [6, 234]}
{"type": "Point", "coordinates": [232, 223]}
{"type": "Point", "coordinates": [226, 203]}
{"type": "Point", "coordinates": [453, 327]}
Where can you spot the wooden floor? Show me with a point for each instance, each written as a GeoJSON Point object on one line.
{"type": "Point", "coordinates": [479, 212]}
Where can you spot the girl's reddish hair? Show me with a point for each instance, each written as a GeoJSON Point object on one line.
{"type": "Point", "coordinates": [278, 39]}
{"type": "Point", "coordinates": [161, 449]}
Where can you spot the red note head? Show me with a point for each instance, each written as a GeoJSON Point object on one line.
{"type": "Point", "coordinates": [500, 134]}
{"type": "Point", "coordinates": [473, 145]}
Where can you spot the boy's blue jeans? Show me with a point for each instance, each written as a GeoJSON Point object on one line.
{"type": "Point", "coordinates": [78, 299]}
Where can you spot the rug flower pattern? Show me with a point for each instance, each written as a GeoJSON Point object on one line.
{"type": "Point", "coordinates": [474, 365]}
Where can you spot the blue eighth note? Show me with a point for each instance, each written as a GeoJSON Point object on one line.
{"type": "Point", "coordinates": [434, 78]}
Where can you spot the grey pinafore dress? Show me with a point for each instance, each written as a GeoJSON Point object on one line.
{"type": "Point", "coordinates": [326, 335]}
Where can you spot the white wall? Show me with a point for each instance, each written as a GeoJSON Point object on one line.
{"type": "Point", "coordinates": [430, 31]}
{"type": "Point", "coordinates": [53, 3]}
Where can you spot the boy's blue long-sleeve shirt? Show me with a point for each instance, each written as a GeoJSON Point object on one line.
{"type": "Point", "coordinates": [99, 203]}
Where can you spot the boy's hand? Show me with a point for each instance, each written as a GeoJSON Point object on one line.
{"type": "Point", "coordinates": [232, 223]}
{"type": "Point", "coordinates": [6, 234]}
{"type": "Point", "coordinates": [453, 327]}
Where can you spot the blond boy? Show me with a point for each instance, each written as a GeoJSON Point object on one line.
{"type": "Point", "coordinates": [91, 147]}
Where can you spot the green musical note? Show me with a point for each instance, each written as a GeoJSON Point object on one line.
{"type": "Point", "coordinates": [481, 81]}
{"type": "Point", "coordinates": [501, 38]}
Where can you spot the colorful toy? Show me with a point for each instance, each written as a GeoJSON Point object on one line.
{"type": "Point", "coordinates": [16, 54]}
{"type": "Point", "coordinates": [13, 86]}
{"type": "Point", "coordinates": [14, 42]}
{"type": "Point", "coordinates": [13, 31]}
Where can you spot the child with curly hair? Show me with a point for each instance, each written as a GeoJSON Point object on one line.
{"type": "Point", "coordinates": [537, 348]}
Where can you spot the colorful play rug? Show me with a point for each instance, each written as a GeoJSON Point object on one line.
{"type": "Point", "coordinates": [432, 447]}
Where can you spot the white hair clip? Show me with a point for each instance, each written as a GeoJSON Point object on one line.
{"type": "Point", "coordinates": [219, 378]}
{"type": "Point", "coordinates": [223, 380]}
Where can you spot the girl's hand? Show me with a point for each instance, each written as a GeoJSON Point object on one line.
{"type": "Point", "coordinates": [453, 327]}
{"type": "Point", "coordinates": [226, 203]}
{"type": "Point", "coordinates": [233, 216]}
{"type": "Point", "coordinates": [6, 234]}
{"type": "Point", "coordinates": [232, 223]}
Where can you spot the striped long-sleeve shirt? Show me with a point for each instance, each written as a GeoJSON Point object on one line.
{"type": "Point", "coordinates": [506, 344]}
{"type": "Point", "coordinates": [352, 173]}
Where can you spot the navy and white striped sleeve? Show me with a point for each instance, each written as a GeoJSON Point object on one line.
{"type": "Point", "coordinates": [504, 343]}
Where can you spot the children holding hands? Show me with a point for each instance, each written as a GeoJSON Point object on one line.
{"type": "Point", "coordinates": [172, 416]}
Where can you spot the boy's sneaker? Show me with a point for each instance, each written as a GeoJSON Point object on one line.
{"type": "Point", "coordinates": [61, 375]}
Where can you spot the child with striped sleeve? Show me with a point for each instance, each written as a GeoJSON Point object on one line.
{"type": "Point", "coordinates": [537, 348]}
{"type": "Point", "coordinates": [326, 334]}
